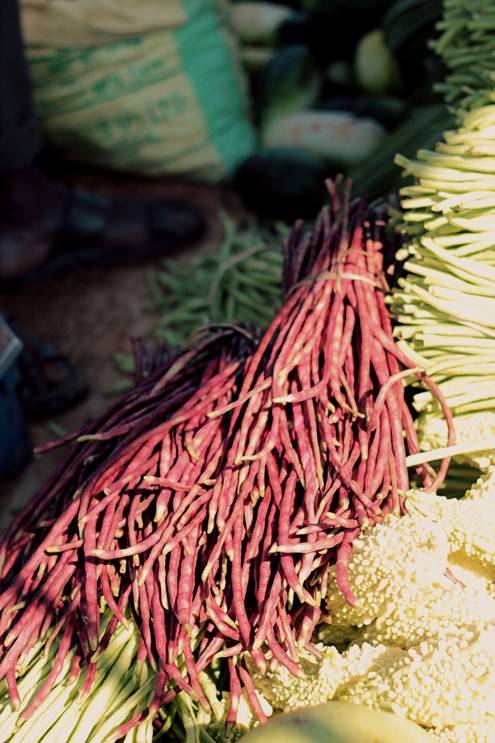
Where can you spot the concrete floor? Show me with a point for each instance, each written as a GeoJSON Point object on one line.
{"type": "Point", "coordinates": [92, 314]}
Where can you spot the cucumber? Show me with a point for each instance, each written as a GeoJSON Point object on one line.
{"type": "Point", "coordinates": [290, 81]}
{"type": "Point", "coordinates": [375, 67]}
{"type": "Point", "coordinates": [339, 137]}
{"type": "Point", "coordinates": [337, 722]}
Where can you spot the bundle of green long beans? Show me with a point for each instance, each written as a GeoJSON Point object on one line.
{"type": "Point", "coordinates": [466, 46]}
{"type": "Point", "coordinates": [238, 283]}
{"type": "Point", "coordinates": [445, 300]}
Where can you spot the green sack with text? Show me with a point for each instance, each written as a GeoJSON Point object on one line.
{"type": "Point", "coordinates": [150, 87]}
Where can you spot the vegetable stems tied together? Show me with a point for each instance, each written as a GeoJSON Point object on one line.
{"type": "Point", "coordinates": [444, 304]}
{"type": "Point", "coordinates": [205, 508]}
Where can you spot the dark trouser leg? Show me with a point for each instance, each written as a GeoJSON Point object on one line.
{"type": "Point", "coordinates": [30, 206]}
{"type": "Point", "coordinates": [20, 138]}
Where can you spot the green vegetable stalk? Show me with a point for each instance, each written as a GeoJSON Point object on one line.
{"type": "Point", "coordinates": [68, 711]}
{"type": "Point", "coordinates": [445, 301]}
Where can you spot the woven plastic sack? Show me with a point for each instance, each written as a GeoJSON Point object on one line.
{"type": "Point", "coordinates": [151, 87]}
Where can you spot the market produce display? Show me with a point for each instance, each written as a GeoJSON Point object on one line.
{"type": "Point", "coordinates": [210, 511]}
{"type": "Point", "coordinates": [266, 538]}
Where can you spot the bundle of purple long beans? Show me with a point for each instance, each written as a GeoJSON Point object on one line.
{"type": "Point", "coordinates": [212, 499]}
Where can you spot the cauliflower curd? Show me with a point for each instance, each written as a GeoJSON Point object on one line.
{"type": "Point", "coordinates": [446, 679]}
{"type": "Point", "coordinates": [391, 563]}
{"type": "Point", "coordinates": [322, 677]}
{"type": "Point", "coordinates": [469, 522]}
{"type": "Point", "coordinates": [420, 641]}
{"type": "Point", "coordinates": [469, 428]}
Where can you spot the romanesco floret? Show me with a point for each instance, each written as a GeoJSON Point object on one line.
{"type": "Point", "coordinates": [469, 427]}
{"type": "Point", "coordinates": [390, 563]}
{"type": "Point", "coordinates": [448, 679]}
{"type": "Point", "coordinates": [284, 691]}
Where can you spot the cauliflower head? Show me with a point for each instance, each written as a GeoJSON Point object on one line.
{"type": "Point", "coordinates": [472, 573]}
{"type": "Point", "coordinates": [484, 487]}
{"type": "Point", "coordinates": [469, 427]}
{"type": "Point", "coordinates": [366, 659]}
{"type": "Point", "coordinates": [469, 521]}
{"type": "Point", "coordinates": [284, 691]}
{"type": "Point", "coordinates": [390, 563]}
{"type": "Point", "coordinates": [421, 640]}
{"type": "Point", "coordinates": [409, 578]}
{"type": "Point", "coordinates": [406, 624]}
{"type": "Point", "coordinates": [422, 637]}
{"type": "Point", "coordinates": [445, 680]}
{"type": "Point", "coordinates": [481, 731]}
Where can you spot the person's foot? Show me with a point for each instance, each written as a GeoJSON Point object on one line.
{"type": "Point", "coordinates": [49, 383]}
{"type": "Point", "coordinates": [31, 211]}
{"type": "Point", "coordinates": [46, 228]}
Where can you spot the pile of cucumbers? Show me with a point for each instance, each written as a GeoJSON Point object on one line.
{"type": "Point", "coordinates": [337, 86]}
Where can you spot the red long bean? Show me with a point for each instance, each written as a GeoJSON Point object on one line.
{"type": "Point", "coordinates": [205, 508]}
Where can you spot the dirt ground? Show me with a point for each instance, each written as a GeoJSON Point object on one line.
{"type": "Point", "coordinates": [93, 313]}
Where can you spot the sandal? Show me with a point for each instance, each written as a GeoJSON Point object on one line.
{"type": "Point", "coordinates": [99, 231]}
{"type": "Point", "coordinates": [49, 382]}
